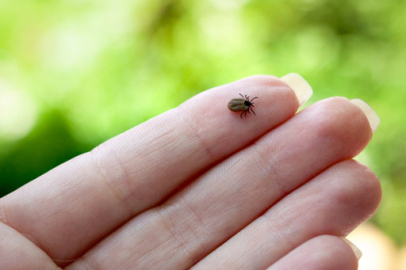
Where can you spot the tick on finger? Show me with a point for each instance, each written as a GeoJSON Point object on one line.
{"type": "Point", "coordinates": [243, 104]}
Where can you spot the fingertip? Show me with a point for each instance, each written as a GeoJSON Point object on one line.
{"type": "Point", "coordinates": [324, 252]}
{"type": "Point", "coordinates": [299, 85]}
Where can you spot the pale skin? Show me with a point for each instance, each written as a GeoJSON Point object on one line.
{"type": "Point", "coordinates": [198, 187]}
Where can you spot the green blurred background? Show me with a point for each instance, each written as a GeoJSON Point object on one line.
{"type": "Point", "coordinates": [76, 73]}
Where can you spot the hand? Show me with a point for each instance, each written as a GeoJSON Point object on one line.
{"type": "Point", "coordinates": [198, 187]}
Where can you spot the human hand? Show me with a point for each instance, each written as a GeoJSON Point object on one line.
{"type": "Point", "coordinates": [198, 187]}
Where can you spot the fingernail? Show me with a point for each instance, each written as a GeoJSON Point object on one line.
{"type": "Point", "coordinates": [301, 87]}
{"type": "Point", "coordinates": [354, 248]}
{"type": "Point", "coordinates": [371, 115]}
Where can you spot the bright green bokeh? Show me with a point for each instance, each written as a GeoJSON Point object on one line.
{"type": "Point", "coordinates": [76, 73]}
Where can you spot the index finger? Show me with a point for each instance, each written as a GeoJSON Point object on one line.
{"type": "Point", "coordinates": [72, 207]}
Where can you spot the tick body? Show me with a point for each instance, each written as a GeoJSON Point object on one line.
{"type": "Point", "coordinates": [243, 104]}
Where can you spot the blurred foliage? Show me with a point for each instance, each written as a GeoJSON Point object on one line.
{"type": "Point", "coordinates": [76, 73]}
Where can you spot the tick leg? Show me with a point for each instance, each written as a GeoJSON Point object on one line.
{"type": "Point", "coordinates": [253, 99]}
{"type": "Point", "coordinates": [241, 95]}
{"type": "Point", "coordinates": [253, 111]}
{"type": "Point", "coordinates": [241, 115]}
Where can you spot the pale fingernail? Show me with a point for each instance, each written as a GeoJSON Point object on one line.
{"type": "Point", "coordinates": [354, 248]}
{"type": "Point", "coordinates": [371, 115]}
{"type": "Point", "coordinates": [301, 87]}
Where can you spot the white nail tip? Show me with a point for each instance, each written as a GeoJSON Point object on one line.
{"type": "Point", "coordinates": [371, 115]}
{"type": "Point", "coordinates": [301, 87]}
{"type": "Point", "coordinates": [354, 248]}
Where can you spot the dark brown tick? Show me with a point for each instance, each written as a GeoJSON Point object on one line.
{"type": "Point", "coordinates": [243, 104]}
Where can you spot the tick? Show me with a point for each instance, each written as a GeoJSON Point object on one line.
{"type": "Point", "coordinates": [243, 104]}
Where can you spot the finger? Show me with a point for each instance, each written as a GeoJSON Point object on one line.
{"type": "Point", "coordinates": [325, 252]}
{"type": "Point", "coordinates": [73, 206]}
{"type": "Point", "coordinates": [229, 196]}
{"type": "Point", "coordinates": [17, 252]}
{"type": "Point", "coordinates": [334, 203]}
